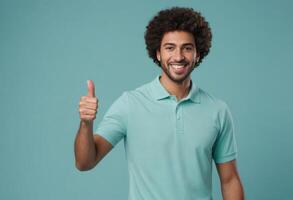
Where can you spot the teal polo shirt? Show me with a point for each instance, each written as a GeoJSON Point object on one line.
{"type": "Point", "coordinates": [170, 144]}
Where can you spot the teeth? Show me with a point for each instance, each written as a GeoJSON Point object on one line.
{"type": "Point", "coordinates": [177, 66]}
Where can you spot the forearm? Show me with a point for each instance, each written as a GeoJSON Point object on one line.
{"type": "Point", "coordinates": [232, 190]}
{"type": "Point", "coordinates": [84, 147]}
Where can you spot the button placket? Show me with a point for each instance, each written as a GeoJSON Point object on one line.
{"type": "Point", "coordinates": [179, 121]}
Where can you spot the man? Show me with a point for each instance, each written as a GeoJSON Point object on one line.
{"type": "Point", "coordinates": [172, 129]}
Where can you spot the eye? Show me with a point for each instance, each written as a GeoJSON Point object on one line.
{"type": "Point", "coordinates": [188, 48]}
{"type": "Point", "coordinates": [169, 48]}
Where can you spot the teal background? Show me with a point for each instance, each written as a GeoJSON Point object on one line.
{"type": "Point", "coordinates": [48, 49]}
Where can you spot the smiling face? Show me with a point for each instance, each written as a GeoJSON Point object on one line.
{"type": "Point", "coordinates": [177, 55]}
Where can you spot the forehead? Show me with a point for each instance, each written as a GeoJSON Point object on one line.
{"type": "Point", "coordinates": [178, 38]}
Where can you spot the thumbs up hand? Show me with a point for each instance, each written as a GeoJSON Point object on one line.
{"type": "Point", "coordinates": [88, 105]}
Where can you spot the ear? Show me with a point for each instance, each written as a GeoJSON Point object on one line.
{"type": "Point", "coordinates": [158, 55]}
{"type": "Point", "coordinates": [197, 58]}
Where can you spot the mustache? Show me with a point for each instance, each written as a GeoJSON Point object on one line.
{"type": "Point", "coordinates": [178, 63]}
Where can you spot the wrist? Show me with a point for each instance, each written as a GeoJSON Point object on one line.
{"type": "Point", "coordinates": [86, 124]}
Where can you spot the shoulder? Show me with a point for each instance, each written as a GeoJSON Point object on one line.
{"type": "Point", "coordinates": [219, 108]}
{"type": "Point", "coordinates": [140, 92]}
{"type": "Point", "coordinates": [212, 101]}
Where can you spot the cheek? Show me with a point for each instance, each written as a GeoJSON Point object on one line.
{"type": "Point", "coordinates": [192, 58]}
{"type": "Point", "coordinates": [165, 57]}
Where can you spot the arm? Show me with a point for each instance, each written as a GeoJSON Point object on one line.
{"type": "Point", "coordinates": [89, 149]}
{"type": "Point", "coordinates": [230, 181]}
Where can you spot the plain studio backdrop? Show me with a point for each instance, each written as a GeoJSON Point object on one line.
{"type": "Point", "coordinates": [48, 49]}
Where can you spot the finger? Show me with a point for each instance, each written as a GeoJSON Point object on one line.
{"type": "Point", "coordinates": [87, 117]}
{"type": "Point", "coordinates": [89, 99]}
{"type": "Point", "coordinates": [88, 104]}
{"type": "Point", "coordinates": [91, 88]}
{"type": "Point", "coordinates": [92, 106]}
{"type": "Point", "coordinates": [83, 111]}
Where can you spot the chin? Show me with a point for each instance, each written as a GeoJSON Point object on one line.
{"type": "Point", "coordinates": [179, 79]}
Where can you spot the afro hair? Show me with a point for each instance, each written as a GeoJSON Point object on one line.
{"type": "Point", "coordinates": [178, 19]}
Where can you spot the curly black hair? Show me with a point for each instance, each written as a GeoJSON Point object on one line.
{"type": "Point", "coordinates": [178, 19]}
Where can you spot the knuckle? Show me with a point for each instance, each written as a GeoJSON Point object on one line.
{"type": "Point", "coordinates": [93, 100]}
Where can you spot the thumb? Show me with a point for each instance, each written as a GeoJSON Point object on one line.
{"type": "Point", "coordinates": [91, 88]}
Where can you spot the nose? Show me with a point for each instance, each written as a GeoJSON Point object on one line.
{"type": "Point", "coordinates": [178, 55]}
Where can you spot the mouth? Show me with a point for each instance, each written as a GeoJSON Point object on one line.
{"type": "Point", "coordinates": [178, 68]}
{"type": "Point", "coordinates": [177, 65]}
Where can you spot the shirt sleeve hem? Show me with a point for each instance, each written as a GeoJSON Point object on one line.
{"type": "Point", "coordinates": [111, 140]}
{"type": "Point", "coordinates": [227, 158]}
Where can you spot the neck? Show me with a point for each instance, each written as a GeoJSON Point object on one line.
{"type": "Point", "coordinates": [180, 90]}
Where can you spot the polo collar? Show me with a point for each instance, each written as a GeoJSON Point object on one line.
{"type": "Point", "coordinates": [159, 92]}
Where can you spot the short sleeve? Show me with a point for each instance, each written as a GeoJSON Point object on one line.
{"type": "Point", "coordinates": [225, 148]}
{"type": "Point", "coordinates": [113, 126]}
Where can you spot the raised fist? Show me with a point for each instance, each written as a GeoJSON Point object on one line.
{"type": "Point", "coordinates": [88, 105]}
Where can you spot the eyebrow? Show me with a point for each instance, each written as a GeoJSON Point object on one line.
{"type": "Point", "coordinates": [185, 44]}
